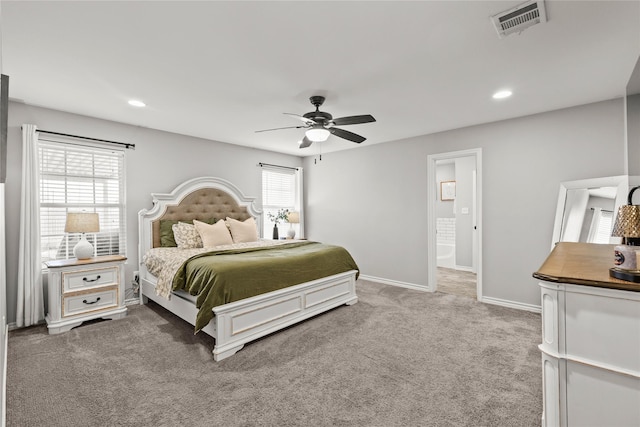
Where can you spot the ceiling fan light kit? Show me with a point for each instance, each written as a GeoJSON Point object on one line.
{"type": "Point", "coordinates": [317, 134]}
{"type": "Point", "coordinates": [319, 125]}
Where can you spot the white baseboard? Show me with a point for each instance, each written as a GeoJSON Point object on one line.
{"type": "Point", "coordinates": [512, 304]}
{"type": "Point", "coordinates": [487, 300]}
{"type": "Point", "coordinates": [13, 326]}
{"type": "Point", "coordinates": [464, 268]}
{"type": "Point", "coordinates": [395, 283]}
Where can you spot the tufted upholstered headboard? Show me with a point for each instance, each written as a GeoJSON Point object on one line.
{"type": "Point", "coordinates": [202, 204]}
{"type": "Point", "coordinates": [199, 198]}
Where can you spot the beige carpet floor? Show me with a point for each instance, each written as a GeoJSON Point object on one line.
{"type": "Point", "coordinates": [457, 282]}
{"type": "Point", "coordinates": [398, 357]}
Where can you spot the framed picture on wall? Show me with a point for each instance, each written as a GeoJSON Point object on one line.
{"type": "Point", "coordinates": [447, 190]}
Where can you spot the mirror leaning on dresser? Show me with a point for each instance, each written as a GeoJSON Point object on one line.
{"type": "Point", "coordinates": [586, 205]}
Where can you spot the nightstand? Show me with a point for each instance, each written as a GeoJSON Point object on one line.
{"type": "Point", "coordinates": [81, 290]}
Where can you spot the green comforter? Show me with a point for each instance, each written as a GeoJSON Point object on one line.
{"type": "Point", "coordinates": [221, 277]}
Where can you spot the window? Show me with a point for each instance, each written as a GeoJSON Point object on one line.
{"type": "Point", "coordinates": [281, 189]}
{"type": "Point", "coordinates": [77, 178]}
{"type": "Point", "coordinates": [601, 226]}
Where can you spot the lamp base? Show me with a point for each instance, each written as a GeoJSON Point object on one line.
{"type": "Point", "coordinates": [628, 275]}
{"type": "Point", "coordinates": [84, 249]}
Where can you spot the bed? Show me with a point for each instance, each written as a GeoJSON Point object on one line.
{"type": "Point", "coordinates": [236, 323]}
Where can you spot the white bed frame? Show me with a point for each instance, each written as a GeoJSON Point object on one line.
{"type": "Point", "coordinates": [240, 322]}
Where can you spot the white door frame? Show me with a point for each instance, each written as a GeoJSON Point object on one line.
{"type": "Point", "coordinates": [432, 282]}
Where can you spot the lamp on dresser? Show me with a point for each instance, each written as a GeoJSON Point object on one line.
{"type": "Point", "coordinates": [627, 226]}
{"type": "Point", "coordinates": [82, 222]}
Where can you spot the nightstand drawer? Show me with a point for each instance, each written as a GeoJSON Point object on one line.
{"type": "Point", "coordinates": [89, 278]}
{"type": "Point", "coordinates": [85, 302]}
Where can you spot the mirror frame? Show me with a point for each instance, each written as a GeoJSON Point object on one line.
{"type": "Point", "coordinates": [620, 181]}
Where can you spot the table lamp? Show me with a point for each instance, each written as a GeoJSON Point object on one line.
{"type": "Point", "coordinates": [627, 226]}
{"type": "Point", "coordinates": [292, 218]}
{"type": "Point", "coordinates": [82, 222]}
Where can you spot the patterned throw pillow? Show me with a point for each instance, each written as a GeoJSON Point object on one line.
{"type": "Point", "coordinates": [186, 236]}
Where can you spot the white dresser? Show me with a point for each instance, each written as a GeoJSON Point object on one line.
{"type": "Point", "coordinates": [81, 290]}
{"type": "Point", "coordinates": [590, 339]}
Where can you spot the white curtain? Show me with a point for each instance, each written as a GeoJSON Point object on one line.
{"type": "Point", "coordinates": [299, 201]}
{"type": "Point", "coordinates": [30, 304]}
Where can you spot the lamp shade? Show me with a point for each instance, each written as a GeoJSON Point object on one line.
{"type": "Point", "coordinates": [317, 133]}
{"type": "Point", "coordinates": [627, 222]}
{"type": "Point", "coordinates": [82, 222]}
{"type": "Point", "coordinates": [293, 217]}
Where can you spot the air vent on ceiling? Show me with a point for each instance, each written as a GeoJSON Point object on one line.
{"type": "Point", "coordinates": [519, 18]}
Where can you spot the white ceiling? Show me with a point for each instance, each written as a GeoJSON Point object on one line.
{"type": "Point", "coordinates": [221, 70]}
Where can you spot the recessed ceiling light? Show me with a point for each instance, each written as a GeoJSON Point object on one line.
{"type": "Point", "coordinates": [502, 94]}
{"type": "Point", "coordinates": [137, 103]}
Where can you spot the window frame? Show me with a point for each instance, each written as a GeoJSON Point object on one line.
{"type": "Point", "coordinates": [297, 174]}
{"type": "Point", "coordinates": [67, 240]}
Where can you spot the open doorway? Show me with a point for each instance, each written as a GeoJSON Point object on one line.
{"type": "Point", "coordinates": [454, 218]}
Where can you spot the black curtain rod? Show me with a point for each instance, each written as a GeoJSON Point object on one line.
{"type": "Point", "coordinates": [603, 210]}
{"type": "Point", "coordinates": [276, 166]}
{"type": "Point", "coordinates": [130, 146]}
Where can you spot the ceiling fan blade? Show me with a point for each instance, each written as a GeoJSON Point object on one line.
{"type": "Point", "coordinates": [353, 120]}
{"type": "Point", "coordinates": [347, 135]}
{"type": "Point", "coordinates": [288, 127]}
{"type": "Point", "coordinates": [304, 119]}
{"type": "Point", "coordinates": [305, 142]}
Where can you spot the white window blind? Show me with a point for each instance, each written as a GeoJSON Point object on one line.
{"type": "Point", "coordinates": [279, 191]}
{"type": "Point", "coordinates": [601, 226]}
{"type": "Point", "coordinates": [77, 178]}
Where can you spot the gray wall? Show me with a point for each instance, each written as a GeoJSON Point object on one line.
{"type": "Point", "coordinates": [372, 200]}
{"type": "Point", "coordinates": [159, 163]}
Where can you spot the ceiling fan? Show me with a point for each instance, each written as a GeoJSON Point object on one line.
{"type": "Point", "coordinates": [319, 125]}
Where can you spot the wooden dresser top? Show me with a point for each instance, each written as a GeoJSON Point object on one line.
{"type": "Point", "coordinates": [582, 264]}
{"type": "Point", "coordinates": [75, 262]}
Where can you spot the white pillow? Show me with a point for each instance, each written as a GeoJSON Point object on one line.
{"type": "Point", "coordinates": [186, 236]}
{"type": "Point", "coordinates": [213, 235]}
{"type": "Point", "coordinates": [243, 231]}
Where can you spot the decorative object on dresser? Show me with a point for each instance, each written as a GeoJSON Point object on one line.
{"type": "Point", "coordinates": [292, 218]}
{"type": "Point", "coordinates": [82, 222]}
{"type": "Point", "coordinates": [590, 339]}
{"type": "Point", "coordinates": [591, 202]}
{"type": "Point", "coordinates": [627, 226]}
{"type": "Point", "coordinates": [81, 290]}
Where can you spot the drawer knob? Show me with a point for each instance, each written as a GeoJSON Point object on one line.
{"type": "Point", "coordinates": [92, 302]}
{"type": "Point", "coordinates": [92, 280]}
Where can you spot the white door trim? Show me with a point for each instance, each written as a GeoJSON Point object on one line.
{"type": "Point", "coordinates": [432, 282]}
